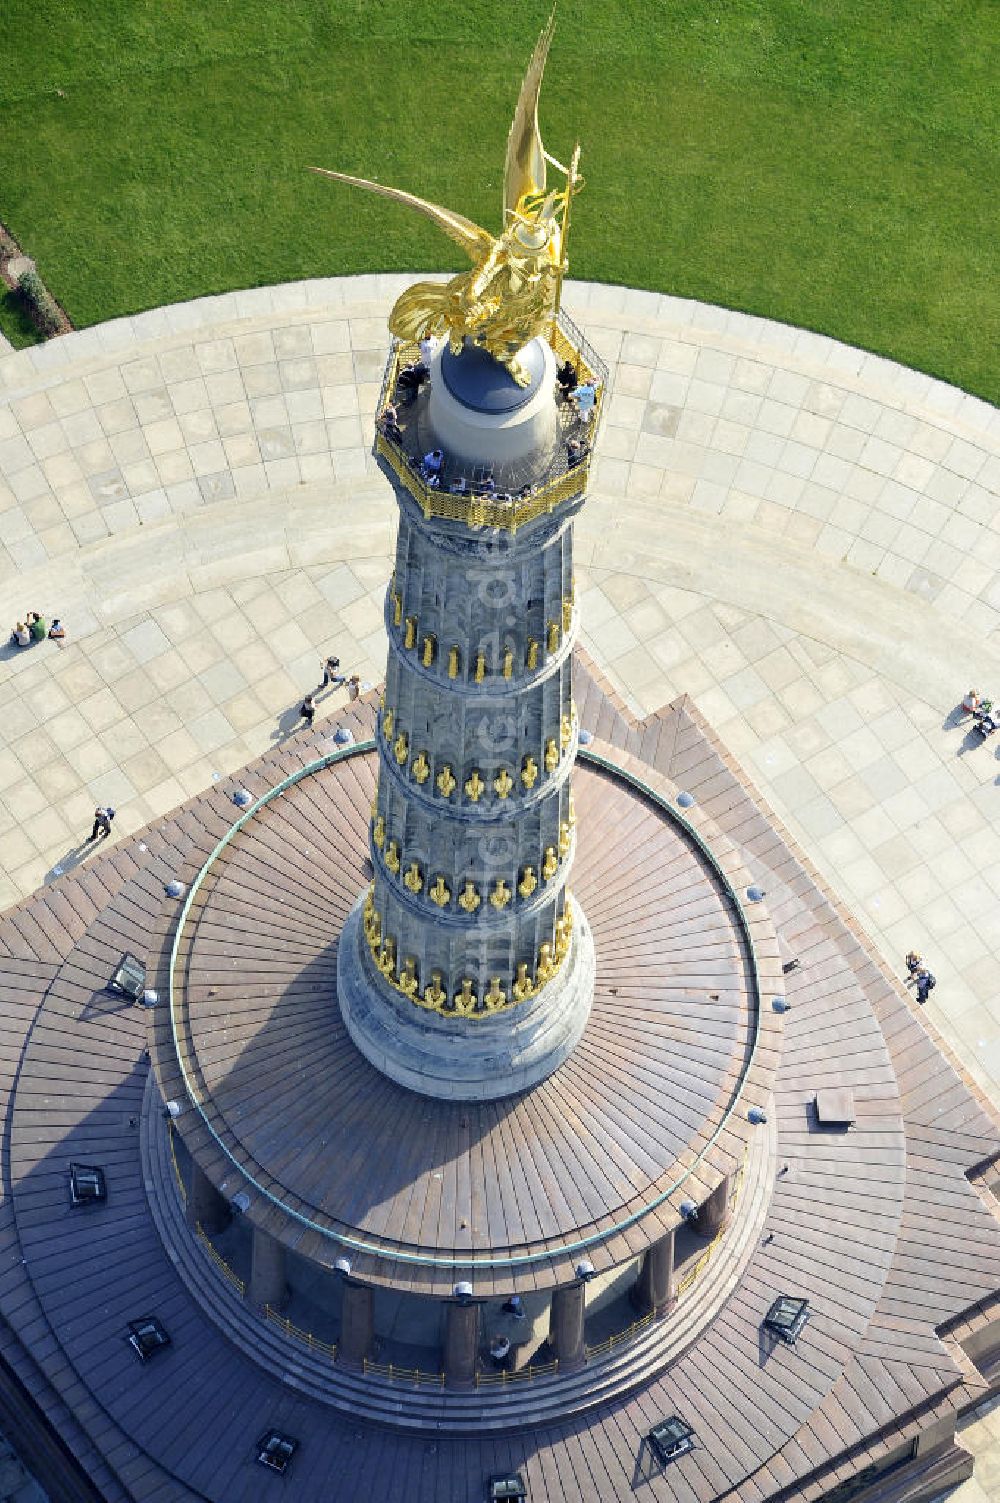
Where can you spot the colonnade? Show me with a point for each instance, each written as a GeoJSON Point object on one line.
{"type": "Point", "coordinates": [652, 1294]}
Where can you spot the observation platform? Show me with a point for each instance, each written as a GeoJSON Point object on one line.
{"type": "Point", "coordinates": [502, 496]}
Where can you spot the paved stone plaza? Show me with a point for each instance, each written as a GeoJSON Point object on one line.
{"type": "Point", "coordinates": [803, 537]}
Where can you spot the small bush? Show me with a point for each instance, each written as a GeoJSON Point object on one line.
{"type": "Point", "coordinates": [36, 295]}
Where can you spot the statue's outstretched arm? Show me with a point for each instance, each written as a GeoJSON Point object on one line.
{"type": "Point", "coordinates": [476, 242]}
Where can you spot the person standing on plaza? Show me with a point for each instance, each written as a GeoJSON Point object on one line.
{"type": "Point", "coordinates": [925, 984]}
{"type": "Point", "coordinates": [331, 675]}
{"type": "Point", "coordinates": [307, 709]}
{"type": "Point", "coordinates": [102, 823]}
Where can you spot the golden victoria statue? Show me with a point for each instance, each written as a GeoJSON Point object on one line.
{"type": "Point", "coordinates": [512, 292]}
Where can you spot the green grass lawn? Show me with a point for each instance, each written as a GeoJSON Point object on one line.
{"type": "Point", "coordinates": [832, 163]}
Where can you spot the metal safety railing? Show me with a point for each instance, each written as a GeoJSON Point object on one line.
{"type": "Point", "coordinates": [329, 1348]}
{"type": "Point", "coordinates": [228, 1273]}
{"type": "Point", "coordinates": [479, 510]}
{"type": "Point", "coordinates": [684, 1284]}
{"type": "Point", "coordinates": [559, 481]}
{"type": "Point", "coordinates": [453, 1260]}
{"type": "Point", "coordinates": [692, 1273]}
{"type": "Point", "coordinates": [610, 1342]}
{"type": "Point", "coordinates": [404, 1374]}
{"type": "Point", "coordinates": [419, 1376]}
{"type": "Point", "coordinates": [518, 1375]}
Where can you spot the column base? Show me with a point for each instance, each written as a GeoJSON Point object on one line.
{"type": "Point", "coordinates": [465, 1059]}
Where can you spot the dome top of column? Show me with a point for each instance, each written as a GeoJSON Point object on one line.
{"type": "Point", "coordinates": [483, 384]}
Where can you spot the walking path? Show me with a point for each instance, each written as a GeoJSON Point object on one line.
{"type": "Point", "coordinates": [803, 537]}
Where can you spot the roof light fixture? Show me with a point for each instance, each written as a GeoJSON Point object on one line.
{"type": "Point", "coordinates": [670, 1439]}
{"type": "Point", "coordinates": [506, 1489]}
{"type": "Point", "coordinates": [147, 1337]}
{"type": "Point", "coordinates": [129, 977]}
{"type": "Point", "coordinates": [786, 1317]}
{"type": "Point", "coordinates": [275, 1450]}
{"type": "Point", "coordinates": [87, 1185]}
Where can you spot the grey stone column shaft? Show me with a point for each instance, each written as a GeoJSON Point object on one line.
{"type": "Point", "coordinates": [713, 1215]}
{"type": "Point", "coordinates": [267, 1284]}
{"type": "Point", "coordinates": [461, 1342]}
{"type": "Point", "coordinates": [654, 1291]}
{"type": "Point", "coordinates": [468, 925]}
{"type": "Point", "coordinates": [206, 1207]}
{"type": "Point", "coordinates": [357, 1323]}
{"type": "Point", "coordinates": [472, 833]}
{"type": "Point", "coordinates": [566, 1324]}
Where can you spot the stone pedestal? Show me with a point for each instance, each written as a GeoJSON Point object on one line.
{"type": "Point", "coordinates": [502, 423]}
{"type": "Point", "coordinates": [460, 1059]}
{"type": "Point", "coordinates": [205, 1206]}
{"type": "Point", "coordinates": [357, 1325]}
{"type": "Point", "coordinates": [713, 1215]}
{"type": "Point", "coordinates": [566, 1324]}
{"type": "Point", "coordinates": [267, 1284]}
{"type": "Point", "coordinates": [654, 1288]}
{"type": "Point", "coordinates": [461, 1342]}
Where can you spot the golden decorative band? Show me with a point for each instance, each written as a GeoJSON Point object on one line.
{"type": "Point", "coordinates": [503, 784]}
{"type": "Point", "coordinates": [436, 889]}
{"type": "Point", "coordinates": [502, 993]}
{"type": "Point", "coordinates": [483, 664]}
{"type": "Point", "coordinates": [470, 898]}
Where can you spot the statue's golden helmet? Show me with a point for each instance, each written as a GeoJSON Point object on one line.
{"type": "Point", "coordinates": [534, 231]}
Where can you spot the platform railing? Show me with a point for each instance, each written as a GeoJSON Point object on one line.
{"type": "Point", "coordinates": [420, 1376]}
{"type": "Point", "coordinates": [560, 482]}
{"type": "Point", "coordinates": [518, 1375]}
{"type": "Point", "coordinates": [692, 1274]}
{"type": "Point", "coordinates": [228, 1273]}
{"type": "Point", "coordinates": [415, 1375]}
{"type": "Point", "coordinates": [601, 1348]}
{"type": "Point", "coordinates": [329, 1348]}
{"type": "Point", "coordinates": [478, 510]}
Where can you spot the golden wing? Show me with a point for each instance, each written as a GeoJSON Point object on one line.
{"type": "Point", "coordinates": [475, 241]}
{"type": "Point", "coordinates": [524, 171]}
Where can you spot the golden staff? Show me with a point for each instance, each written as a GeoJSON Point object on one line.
{"type": "Point", "coordinates": [573, 182]}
